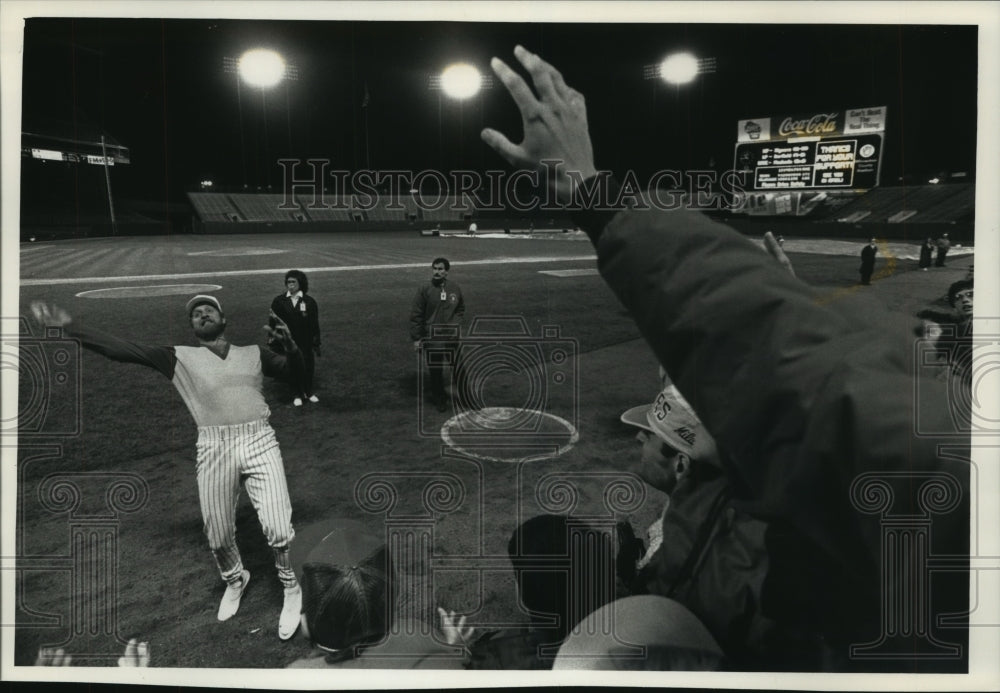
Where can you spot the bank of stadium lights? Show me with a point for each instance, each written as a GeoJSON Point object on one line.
{"type": "Point", "coordinates": [460, 81]}
{"type": "Point", "coordinates": [261, 67]}
{"type": "Point", "coordinates": [679, 68]}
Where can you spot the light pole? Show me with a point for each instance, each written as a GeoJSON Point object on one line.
{"type": "Point", "coordinates": [460, 82]}
{"type": "Point", "coordinates": [263, 69]}
{"type": "Point", "coordinates": [677, 70]}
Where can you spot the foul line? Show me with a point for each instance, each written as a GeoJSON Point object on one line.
{"type": "Point", "coordinates": [346, 268]}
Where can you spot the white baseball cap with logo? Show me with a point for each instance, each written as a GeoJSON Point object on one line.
{"type": "Point", "coordinates": [672, 419]}
{"type": "Point", "coordinates": [201, 299]}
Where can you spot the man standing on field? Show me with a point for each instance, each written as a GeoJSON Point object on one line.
{"type": "Point", "coordinates": [221, 384]}
{"type": "Point", "coordinates": [439, 303]}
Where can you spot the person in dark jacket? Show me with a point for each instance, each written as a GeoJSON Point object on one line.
{"type": "Point", "coordinates": [351, 589]}
{"type": "Point", "coordinates": [943, 246]}
{"type": "Point", "coordinates": [951, 333]}
{"type": "Point", "coordinates": [564, 568]}
{"type": "Point", "coordinates": [436, 316]}
{"type": "Point", "coordinates": [301, 313]}
{"type": "Point", "coordinates": [926, 253]}
{"type": "Point", "coordinates": [868, 261]}
{"type": "Point", "coordinates": [812, 408]}
{"type": "Point", "coordinates": [707, 554]}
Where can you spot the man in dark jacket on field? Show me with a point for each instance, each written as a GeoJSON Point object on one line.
{"type": "Point", "coordinates": [812, 408]}
{"type": "Point", "coordinates": [943, 246]}
{"type": "Point", "coordinates": [435, 321]}
{"type": "Point", "coordinates": [868, 261]}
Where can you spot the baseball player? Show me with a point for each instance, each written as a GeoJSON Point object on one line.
{"type": "Point", "coordinates": [221, 385]}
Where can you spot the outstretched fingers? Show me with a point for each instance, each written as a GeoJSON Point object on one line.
{"type": "Point", "coordinates": [542, 75]}
{"type": "Point", "coordinates": [48, 315]}
{"type": "Point", "coordinates": [41, 312]}
{"type": "Point", "coordinates": [513, 153]}
{"type": "Point", "coordinates": [516, 86]}
{"type": "Point", "coordinates": [136, 654]}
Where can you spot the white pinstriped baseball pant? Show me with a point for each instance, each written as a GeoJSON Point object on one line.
{"type": "Point", "coordinates": [227, 454]}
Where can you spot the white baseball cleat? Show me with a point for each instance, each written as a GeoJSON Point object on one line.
{"type": "Point", "coordinates": [297, 401]}
{"type": "Point", "coordinates": [291, 613]}
{"type": "Point", "coordinates": [313, 399]}
{"type": "Point", "coordinates": [230, 603]}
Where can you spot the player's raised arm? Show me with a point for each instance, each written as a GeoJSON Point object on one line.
{"type": "Point", "coordinates": [115, 348]}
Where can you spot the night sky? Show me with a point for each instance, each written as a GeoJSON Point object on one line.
{"type": "Point", "coordinates": [159, 88]}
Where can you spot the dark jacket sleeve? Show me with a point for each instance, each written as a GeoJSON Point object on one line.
{"type": "Point", "coordinates": [313, 319]}
{"type": "Point", "coordinates": [804, 399]}
{"type": "Point", "coordinates": [460, 308]}
{"type": "Point", "coordinates": [417, 316]}
{"type": "Point", "coordinates": [160, 358]}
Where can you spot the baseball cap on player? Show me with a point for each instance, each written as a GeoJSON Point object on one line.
{"type": "Point", "coordinates": [202, 299]}
{"type": "Point", "coordinates": [347, 583]}
{"type": "Point", "coordinates": [672, 638]}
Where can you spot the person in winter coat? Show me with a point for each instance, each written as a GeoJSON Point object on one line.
{"type": "Point", "coordinates": [811, 407]}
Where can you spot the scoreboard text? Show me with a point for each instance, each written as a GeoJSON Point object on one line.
{"type": "Point", "coordinates": [823, 151]}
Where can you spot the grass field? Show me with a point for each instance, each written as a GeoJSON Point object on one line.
{"type": "Point", "coordinates": [367, 427]}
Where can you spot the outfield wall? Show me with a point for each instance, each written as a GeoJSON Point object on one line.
{"type": "Point", "coordinates": [959, 232]}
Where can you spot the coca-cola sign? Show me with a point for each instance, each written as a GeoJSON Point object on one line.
{"type": "Point", "coordinates": [819, 124]}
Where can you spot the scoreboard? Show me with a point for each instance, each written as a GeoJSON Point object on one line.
{"type": "Point", "coordinates": [823, 163]}
{"type": "Point", "coordinates": [74, 150]}
{"type": "Point", "coordinates": [838, 150]}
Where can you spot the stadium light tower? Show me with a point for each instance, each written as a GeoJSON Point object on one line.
{"type": "Point", "coordinates": [460, 81]}
{"type": "Point", "coordinates": [263, 69]}
{"type": "Point", "coordinates": [679, 68]}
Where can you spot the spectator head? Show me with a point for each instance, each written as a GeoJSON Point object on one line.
{"type": "Point", "coordinates": [348, 586]}
{"type": "Point", "coordinates": [673, 438]}
{"type": "Point", "coordinates": [301, 281]}
{"type": "Point", "coordinates": [644, 633]}
{"type": "Point", "coordinates": [564, 569]}
{"type": "Point", "coordinates": [960, 297]}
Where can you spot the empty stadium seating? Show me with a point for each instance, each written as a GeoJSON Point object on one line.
{"type": "Point", "coordinates": [919, 203]}
{"type": "Point", "coordinates": [213, 207]}
{"type": "Point", "coordinates": [262, 207]}
{"type": "Point", "coordinates": [893, 206]}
